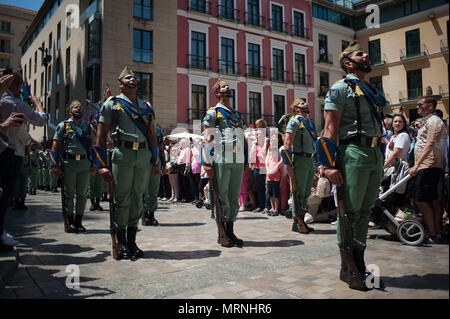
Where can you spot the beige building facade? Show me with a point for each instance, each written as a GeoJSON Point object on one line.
{"type": "Point", "coordinates": [90, 42]}
{"type": "Point", "coordinates": [409, 55]}
{"type": "Point", "coordinates": [14, 22]}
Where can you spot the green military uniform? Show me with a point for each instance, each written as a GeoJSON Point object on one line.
{"type": "Point", "coordinates": [75, 165]}
{"type": "Point", "coordinates": [53, 181]}
{"type": "Point", "coordinates": [229, 167]}
{"type": "Point", "coordinates": [40, 171]}
{"type": "Point", "coordinates": [150, 199]}
{"type": "Point", "coordinates": [45, 171]}
{"type": "Point", "coordinates": [96, 184]}
{"type": "Point", "coordinates": [33, 178]}
{"type": "Point", "coordinates": [360, 165]}
{"type": "Point", "coordinates": [304, 165]}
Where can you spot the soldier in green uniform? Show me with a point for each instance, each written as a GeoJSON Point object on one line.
{"type": "Point", "coordinates": [34, 175]}
{"type": "Point", "coordinates": [45, 171]}
{"type": "Point", "coordinates": [300, 138]}
{"type": "Point", "coordinates": [228, 157]}
{"type": "Point", "coordinates": [151, 190]}
{"type": "Point", "coordinates": [96, 182]}
{"type": "Point", "coordinates": [71, 145]}
{"type": "Point", "coordinates": [53, 181]}
{"type": "Point", "coordinates": [40, 170]}
{"type": "Point", "coordinates": [353, 125]}
{"type": "Point", "coordinates": [129, 119]}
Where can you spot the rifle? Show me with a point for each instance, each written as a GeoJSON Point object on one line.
{"type": "Point", "coordinates": [113, 226]}
{"type": "Point", "coordinates": [219, 213]}
{"type": "Point", "coordinates": [302, 226]}
{"type": "Point", "coordinates": [348, 244]}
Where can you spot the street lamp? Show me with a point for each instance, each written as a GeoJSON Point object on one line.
{"type": "Point", "coordinates": [46, 60]}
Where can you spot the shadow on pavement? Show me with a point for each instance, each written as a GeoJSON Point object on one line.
{"type": "Point", "coordinates": [62, 260]}
{"type": "Point", "coordinates": [181, 224]}
{"type": "Point", "coordinates": [180, 255]}
{"type": "Point", "coordinates": [428, 281]}
{"type": "Point", "coordinates": [323, 231]}
{"type": "Point", "coordinates": [252, 218]}
{"type": "Point", "coordinates": [281, 243]}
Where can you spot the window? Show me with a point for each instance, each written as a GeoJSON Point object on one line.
{"type": "Point", "coordinates": [412, 43]}
{"type": "Point", "coordinates": [67, 62]}
{"type": "Point", "coordinates": [254, 66]}
{"type": "Point", "coordinates": [320, 12]}
{"type": "Point", "coordinates": [49, 78]}
{"type": "Point", "coordinates": [6, 27]}
{"type": "Point", "coordinates": [66, 99]}
{"type": "Point", "coordinates": [323, 48]}
{"type": "Point", "coordinates": [198, 50]}
{"type": "Point", "coordinates": [58, 36]}
{"type": "Point", "coordinates": [143, 9]}
{"type": "Point", "coordinates": [279, 107]}
{"type": "Point", "coordinates": [198, 101]}
{"type": "Point", "coordinates": [300, 69]}
{"type": "Point", "coordinates": [344, 45]}
{"type": "Point", "coordinates": [252, 16]}
{"type": "Point", "coordinates": [57, 106]}
{"type": "Point", "coordinates": [68, 30]}
{"type": "Point", "coordinates": [35, 61]}
{"type": "Point", "coordinates": [94, 39]}
{"type": "Point", "coordinates": [375, 52]}
{"type": "Point", "coordinates": [233, 99]}
{"type": "Point", "coordinates": [226, 9]}
{"type": "Point", "coordinates": [42, 53]}
{"type": "Point", "coordinates": [299, 24]}
{"type": "Point", "coordinates": [145, 85]}
{"type": "Point", "coordinates": [29, 68]}
{"type": "Point", "coordinates": [142, 46]}
{"type": "Point", "coordinates": [324, 83]}
{"type": "Point", "coordinates": [277, 18]}
{"type": "Point", "coordinates": [50, 46]}
{"type": "Point", "coordinates": [58, 70]}
{"type": "Point", "coordinates": [278, 65]}
{"type": "Point", "coordinates": [4, 63]}
{"type": "Point", "coordinates": [5, 46]}
{"type": "Point", "coordinates": [199, 6]}
{"type": "Point", "coordinates": [377, 82]}
{"type": "Point", "coordinates": [254, 99]}
{"type": "Point", "coordinates": [411, 6]}
{"type": "Point", "coordinates": [34, 87]}
{"type": "Point", "coordinates": [42, 83]}
{"type": "Point", "coordinates": [226, 64]}
{"type": "Point", "coordinates": [414, 81]}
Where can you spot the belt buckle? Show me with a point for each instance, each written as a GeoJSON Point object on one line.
{"type": "Point", "coordinates": [135, 146]}
{"type": "Point", "coordinates": [77, 157]}
{"type": "Point", "coordinates": [374, 142]}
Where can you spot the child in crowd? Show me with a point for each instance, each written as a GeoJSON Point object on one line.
{"type": "Point", "coordinates": [274, 167]}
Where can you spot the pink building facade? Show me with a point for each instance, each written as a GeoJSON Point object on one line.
{"type": "Point", "coordinates": [263, 48]}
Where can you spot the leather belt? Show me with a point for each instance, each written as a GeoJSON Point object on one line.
{"type": "Point", "coordinates": [371, 141]}
{"type": "Point", "coordinates": [304, 154]}
{"type": "Point", "coordinates": [131, 145]}
{"type": "Point", "coordinates": [75, 157]}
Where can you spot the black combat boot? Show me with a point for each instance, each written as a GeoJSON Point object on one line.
{"type": "Point", "coordinates": [152, 219]}
{"type": "Point", "coordinates": [47, 188]}
{"type": "Point", "coordinates": [230, 232]}
{"type": "Point", "coordinates": [310, 229]}
{"type": "Point", "coordinates": [299, 226]}
{"type": "Point", "coordinates": [225, 240]}
{"type": "Point", "coordinates": [360, 263]}
{"type": "Point", "coordinates": [70, 227]}
{"type": "Point", "coordinates": [97, 204]}
{"type": "Point", "coordinates": [77, 224]}
{"type": "Point", "coordinates": [104, 197]}
{"type": "Point", "coordinates": [131, 242]}
{"type": "Point", "coordinates": [55, 189]}
{"type": "Point", "coordinates": [122, 248]}
{"type": "Point", "coordinates": [92, 208]}
{"type": "Point", "coordinates": [354, 280]}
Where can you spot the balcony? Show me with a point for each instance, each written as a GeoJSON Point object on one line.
{"type": "Point", "coordinates": [279, 26]}
{"type": "Point", "coordinates": [444, 46]}
{"type": "Point", "coordinates": [255, 71]}
{"type": "Point", "coordinates": [6, 50]}
{"type": "Point", "coordinates": [200, 6]}
{"type": "Point", "coordinates": [378, 60]}
{"type": "Point", "coordinates": [250, 118]}
{"type": "Point", "coordinates": [413, 52]}
{"type": "Point", "coordinates": [199, 62]}
{"type": "Point", "coordinates": [443, 91]}
{"type": "Point", "coordinates": [300, 32]}
{"type": "Point", "coordinates": [95, 7]}
{"type": "Point", "coordinates": [410, 95]}
{"type": "Point", "coordinates": [228, 13]}
{"type": "Point", "coordinates": [254, 20]}
{"type": "Point", "coordinates": [325, 58]}
{"type": "Point", "coordinates": [195, 114]}
{"type": "Point", "coordinates": [302, 79]}
{"type": "Point", "coordinates": [229, 67]}
{"type": "Point", "coordinates": [279, 75]}
{"type": "Point", "coordinates": [7, 32]}
{"type": "Point", "coordinates": [323, 90]}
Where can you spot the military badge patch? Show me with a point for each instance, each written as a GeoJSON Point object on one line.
{"type": "Point", "coordinates": [333, 94]}
{"type": "Point", "coordinates": [207, 117]}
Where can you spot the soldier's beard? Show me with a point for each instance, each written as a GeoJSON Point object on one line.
{"type": "Point", "coordinates": [226, 94]}
{"type": "Point", "coordinates": [77, 115]}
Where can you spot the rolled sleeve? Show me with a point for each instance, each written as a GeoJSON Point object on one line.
{"type": "Point", "coordinates": [334, 100]}
{"type": "Point", "coordinates": [210, 118]}
{"type": "Point", "coordinates": [106, 115]}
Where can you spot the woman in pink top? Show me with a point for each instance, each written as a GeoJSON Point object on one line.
{"type": "Point", "coordinates": [274, 167]}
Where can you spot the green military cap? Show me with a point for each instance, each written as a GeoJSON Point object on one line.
{"type": "Point", "coordinates": [218, 84]}
{"type": "Point", "coordinates": [297, 101]}
{"type": "Point", "coordinates": [354, 46]}
{"type": "Point", "coordinates": [126, 71]}
{"type": "Point", "coordinates": [73, 103]}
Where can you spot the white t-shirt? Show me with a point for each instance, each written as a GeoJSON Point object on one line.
{"type": "Point", "coordinates": [402, 141]}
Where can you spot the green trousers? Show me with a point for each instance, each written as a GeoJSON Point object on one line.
{"type": "Point", "coordinates": [33, 178]}
{"type": "Point", "coordinates": [53, 179]}
{"type": "Point", "coordinates": [45, 177]}
{"type": "Point", "coordinates": [361, 168]}
{"type": "Point", "coordinates": [304, 169]}
{"type": "Point", "coordinates": [151, 192]}
{"type": "Point", "coordinates": [130, 170]}
{"type": "Point", "coordinates": [41, 177]}
{"type": "Point", "coordinates": [20, 187]}
{"type": "Point", "coordinates": [229, 179]}
{"type": "Point", "coordinates": [76, 181]}
{"type": "Point", "coordinates": [95, 186]}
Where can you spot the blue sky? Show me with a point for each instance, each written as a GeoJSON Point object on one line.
{"type": "Point", "coordinates": [27, 4]}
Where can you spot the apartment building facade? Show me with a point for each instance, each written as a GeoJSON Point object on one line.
{"type": "Point", "coordinates": [14, 22]}
{"type": "Point", "coordinates": [263, 48]}
{"type": "Point", "coordinates": [90, 42]}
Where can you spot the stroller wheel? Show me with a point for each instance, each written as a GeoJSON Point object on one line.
{"type": "Point", "coordinates": [208, 206]}
{"type": "Point", "coordinates": [411, 232]}
{"type": "Point", "coordinates": [199, 204]}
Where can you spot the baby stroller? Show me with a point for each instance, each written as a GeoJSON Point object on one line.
{"type": "Point", "coordinates": [391, 210]}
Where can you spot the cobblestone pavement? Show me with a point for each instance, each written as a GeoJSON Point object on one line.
{"type": "Point", "coordinates": [183, 260]}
